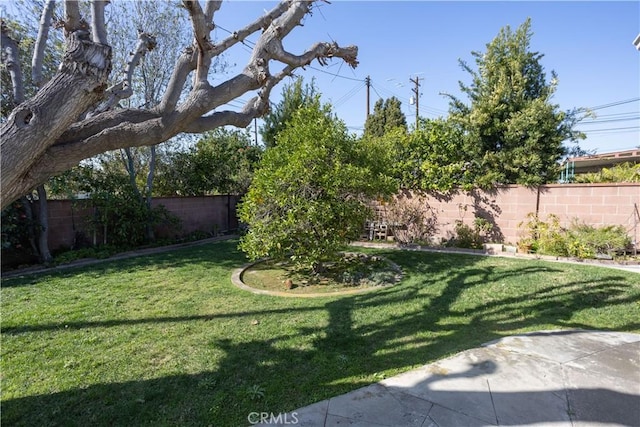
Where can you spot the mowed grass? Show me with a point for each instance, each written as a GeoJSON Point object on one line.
{"type": "Point", "coordinates": [168, 340]}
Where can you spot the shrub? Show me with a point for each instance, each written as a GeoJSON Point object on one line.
{"type": "Point", "coordinates": [471, 237]}
{"type": "Point", "coordinates": [125, 217]}
{"type": "Point", "coordinates": [587, 241]}
{"type": "Point", "coordinates": [412, 220]}
{"type": "Point", "coordinates": [580, 240]}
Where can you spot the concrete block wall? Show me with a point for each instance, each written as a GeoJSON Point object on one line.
{"type": "Point", "coordinates": [595, 204]}
{"type": "Point", "coordinates": [209, 213]}
{"type": "Point", "coordinates": [69, 219]}
{"type": "Point", "coordinates": [507, 206]}
{"type": "Point", "coordinates": [66, 218]}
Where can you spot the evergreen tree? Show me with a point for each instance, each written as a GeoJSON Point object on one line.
{"type": "Point", "coordinates": [294, 96]}
{"type": "Point", "coordinates": [387, 115]}
{"type": "Point", "coordinates": [513, 131]}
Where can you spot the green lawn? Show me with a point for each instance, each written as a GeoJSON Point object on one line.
{"type": "Point", "coordinates": [168, 340]}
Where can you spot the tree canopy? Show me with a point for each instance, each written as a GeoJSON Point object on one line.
{"type": "Point", "coordinates": [294, 96]}
{"type": "Point", "coordinates": [310, 195]}
{"type": "Point", "coordinates": [221, 162]}
{"type": "Point", "coordinates": [513, 132]}
{"type": "Point", "coordinates": [387, 115]}
{"type": "Point", "coordinates": [66, 120]}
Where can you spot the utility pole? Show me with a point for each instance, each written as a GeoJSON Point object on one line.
{"type": "Point", "coordinates": [416, 91]}
{"type": "Point", "coordinates": [367, 81]}
{"type": "Point", "coordinates": [255, 129]}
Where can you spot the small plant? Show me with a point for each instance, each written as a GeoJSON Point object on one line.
{"type": "Point", "coordinates": [588, 241]}
{"type": "Point", "coordinates": [544, 237]}
{"type": "Point", "coordinates": [580, 240]}
{"type": "Point", "coordinates": [471, 237]}
{"type": "Point", "coordinates": [255, 392]}
{"type": "Point", "coordinates": [383, 278]}
{"type": "Point", "coordinates": [100, 252]}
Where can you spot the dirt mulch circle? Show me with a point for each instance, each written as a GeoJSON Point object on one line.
{"type": "Point", "coordinates": [268, 277]}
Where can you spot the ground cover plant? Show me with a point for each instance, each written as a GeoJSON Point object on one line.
{"type": "Point", "coordinates": [168, 340]}
{"type": "Point", "coordinates": [350, 272]}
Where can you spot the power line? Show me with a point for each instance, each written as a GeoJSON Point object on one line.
{"type": "Point", "coordinates": [614, 104]}
{"type": "Point", "coordinates": [376, 91]}
{"type": "Point", "coordinates": [613, 130]}
{"type": "Point", "coordinates": [596, 121]}
{"type": "Point", "coordinates": [336, 75]}
{"type": "Point", "coordinates": [626, 113]}
{"type": "Point", "coordinates": [347, 96]}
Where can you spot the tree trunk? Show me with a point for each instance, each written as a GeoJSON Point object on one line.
{"type": "Point", "coordinates": [59, 127]}
{"type": "Point", "coordinates": [28, 211]}
{"type": "Point", "coordinates": [36, 124]}
{"type": "Point", "coordinates": [149, 191]}
{"type": "Point", "coordinates": [43, 222]}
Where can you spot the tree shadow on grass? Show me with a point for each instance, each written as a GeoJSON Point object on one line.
{"type": "Point", "coordinates": [365, 337]}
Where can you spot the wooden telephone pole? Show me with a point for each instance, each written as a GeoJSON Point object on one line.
{"type": "Point", "coordinates": [367, 81]}
{"type": "Point", "coordinates": [416, 91]}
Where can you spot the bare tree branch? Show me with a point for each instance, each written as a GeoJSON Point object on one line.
{"type": "Point", "coordinates": [72, 19]}
{"type": "Point", "coordinates": [11, 59]}
{"type": "Point", "coordinates": [201, 30]}
{"type": "Point", "coordinates": [44, 136]}
{"type": "Point", "coordinates": [186, 62]}
{"type": "Point", "coordinates": [41, 43]}
{"type": "Point", "coordinates": [122, 89]}
{"type": "Point", "coordinates": [98, 28]}
{"type": "Point", "coordinates": [260, 23]}
{"type": "Point", "coordinates": [210, 9]}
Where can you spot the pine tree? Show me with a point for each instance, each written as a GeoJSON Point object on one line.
{"type": "Point", "coordinates": [387, 115]}
{"type": "Point", "coordinates": [513, 131]}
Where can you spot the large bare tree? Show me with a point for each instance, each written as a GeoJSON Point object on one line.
{"type": "Point", "coordinates": [70, 119]}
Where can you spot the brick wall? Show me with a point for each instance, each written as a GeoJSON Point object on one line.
{"type": "Point", "coordinates": [506, 206]}
{"type": "Point", "coordinates": [208, 213]}
{"type": "Point", "coordinates": [70, 220]}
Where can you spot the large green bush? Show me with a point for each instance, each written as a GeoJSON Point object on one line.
{"type": "Point", "coordinates": [579, 240]}
{"type": "Point", "coordinates": [310, 195]}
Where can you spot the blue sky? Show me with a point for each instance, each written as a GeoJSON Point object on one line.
{"type": "Point", "coordinates": [588, 44]}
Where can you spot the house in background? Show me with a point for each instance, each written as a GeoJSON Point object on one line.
{"type": "Point", "coordinates": [596, 162]}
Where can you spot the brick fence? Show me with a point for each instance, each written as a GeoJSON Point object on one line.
{"type": "Point", "coordinates": [507, 206]}
{"type": "Point", "coordinates": [70, 219]}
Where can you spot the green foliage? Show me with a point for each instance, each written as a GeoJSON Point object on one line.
{"type": "Point", "coordinates": [309, 196]}
{"type": "Point", "coordinates": [586, 240]}
{"type": "Point", "coordinates": [471, 237]}
{"type": "Point", "coordinates": [544, 237]}
{"type": "Point", "coordinates": [511, 128]}
{"type": "Point", "coordinates": [387, 115]}
{"type": "Point", "coordinates": [121, 215]}
{"type": "Point", "coordinates": [294, 96]}
{"type": "Point", "coordinates": [433, 157]}
{"type": "Point", "coordinates": [623, 172]}
{"type": "Point", "coordinates": [580, 240]}
{"type": "Point", "coordinates": [102, 252]}
{"type": "Point", "coordinates": [222, 162]}
{"type": "Point", "coordinates": [15, 227]}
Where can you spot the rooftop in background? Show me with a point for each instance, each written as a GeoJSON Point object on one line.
{"type": "Point", "coordinates": [595, 162]}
